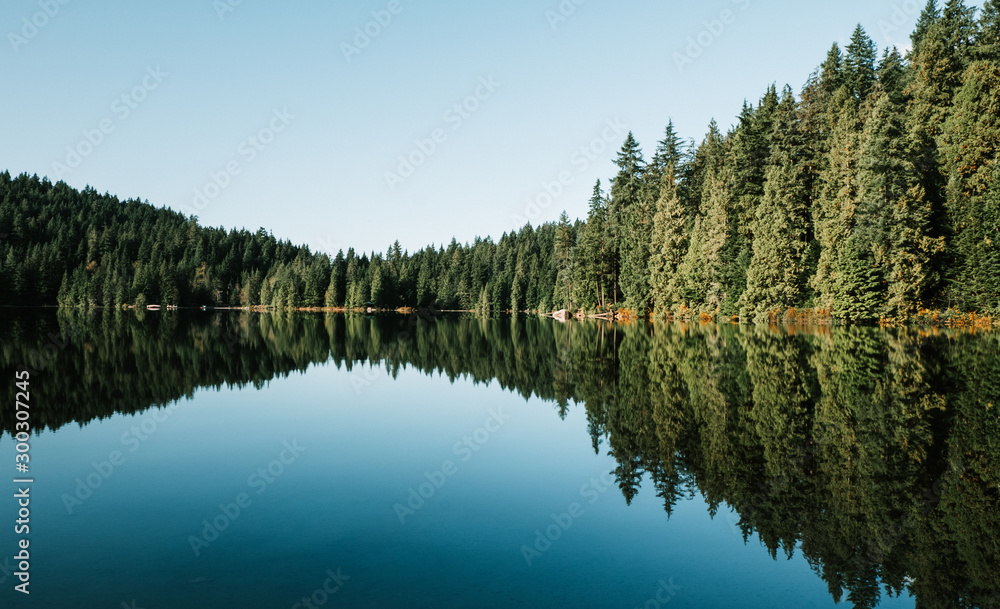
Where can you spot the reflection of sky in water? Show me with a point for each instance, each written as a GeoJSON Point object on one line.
{"type": "Point", "coordinates": [333, 507]}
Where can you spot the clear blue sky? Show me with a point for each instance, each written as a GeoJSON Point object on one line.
{"type": "Point", "coordinates": [200, 78]}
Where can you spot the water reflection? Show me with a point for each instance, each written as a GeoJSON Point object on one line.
{"type": "Point", "coordinates": [874, 453]}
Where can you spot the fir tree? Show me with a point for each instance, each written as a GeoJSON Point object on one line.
{"type": "Point", "coordinates": [776, 275]}
{"type": "Point", "coordinates": [833, 214]}
{"type": "Point", "coordinates": [703, 269]}
{"type": "Point", "coordinates": [668, 246]}
{"type": "Point", "coordinates": [859, 295]}
{"type": "Point", "coordinates": [892, 218]}
{"type": "Point", "coordinates": [958, 23]}
{"type": "Point", "coordinates": [892, 74]}
{"type": "Point", "coordinates": [564, 243]}
{"type": "Point", "coordinates": [631, 222]}
{"type": "Point", "coordinates": [970, 144]}
{"type": "Point", "coordinates": [859, 64]}
{"type": "Point", "coordinates": [832, 70]}
{"type": "Point", "coordinates": [593, 266]}
{"type": "Point", "coordinates": [668, 156]}
{"type": "Point", "coordinates": [928, 18]}
{"type": "Point", "coordinates": [988, 36]}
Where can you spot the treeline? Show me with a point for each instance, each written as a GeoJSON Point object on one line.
{"type": "Point", "coordinates": [81, 248]}
{"type": "Point", "coordinates": [873, 194]}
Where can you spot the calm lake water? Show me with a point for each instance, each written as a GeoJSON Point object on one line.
{"type": "Point", "coordinates": [234, 460]}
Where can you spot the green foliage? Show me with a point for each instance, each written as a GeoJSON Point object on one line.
{"type": "Point", "coordinates": [704, 267]}
{"type": "Point", "coordinates": [777, 272]}
{"type": "Point", "coordinates": [83, 249]}
{"type": "Point", "coordinates": [859, 64]}
{"type": "Point", "coordinates": [630, 219]}
{"type": "Point", "coordinates": [833, 212]}
{"type": "Point", "coordinates": [988, 37]}
{"type": "Point", "coordinates": [928, 17]}
{"type": "Point", "coordinates": [668, 246]}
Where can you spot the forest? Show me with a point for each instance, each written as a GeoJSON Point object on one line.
{"type": "Point", "coordinates": [872, 452]}
{"type": "Point", "coordinates": [871, 195]}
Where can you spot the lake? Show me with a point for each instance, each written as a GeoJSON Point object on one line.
{"type": "Point", "coordinates": [229, 459]}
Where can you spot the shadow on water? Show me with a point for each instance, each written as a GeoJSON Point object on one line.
{"type": "Point", "coordinates": [875, 453]}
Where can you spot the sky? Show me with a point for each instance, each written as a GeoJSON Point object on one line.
{"type": "Point", "coordinates": [339, 124]}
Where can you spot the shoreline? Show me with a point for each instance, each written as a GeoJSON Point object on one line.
{"type": "Point", "coordinates": [792, 318]}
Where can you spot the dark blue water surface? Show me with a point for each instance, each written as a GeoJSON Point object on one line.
{"type": "Point", "coordinates": [352, 462]}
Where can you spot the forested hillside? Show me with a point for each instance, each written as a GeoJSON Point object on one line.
{"type": "Point", "coordinates": [87, 249]}
{"type": "Point", "coordinates": [872, 194]}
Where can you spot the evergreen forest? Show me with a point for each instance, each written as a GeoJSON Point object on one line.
{"type": "Point", "coordinates": [872, 194]}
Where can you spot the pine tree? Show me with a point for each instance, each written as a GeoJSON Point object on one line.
{"type": "Point", "coordinates": [593, 266]}
{"type": "Point", "coordinates": [859, 295]}
{"type": "Point", "coordinates": [669, 152]}
{"type": "Point", "coordinates": [959, 24]}
{"type": "Point", "coordinates": [517, 296]}
{"type": "Point", "coordinates": [749, 151]}
{"type": "Point", "coordinates": [266, 293]}
{"type": "Point", "coordinates": [703, 268]}
{"type": "Point", "coordinates": [936, 78]}
{"type": "Point", "coordinates": [988, 281]}
{"type": "Point", "coordinates": [930, 16]}
{"type": "Point", "coordinates": [818, 117]}
{"type": "Point", "coordinates": [484, 307]}
{"type": "Point", "coordinates": [564, 243]}
{"type": "Point", "coordinates": [859, 64]}
{"type": "Point", "coordinates": [631, 223]}
{"type": "Point", "coordinates": [335, 289]}
{"type": "Point", "coordinates": [988, 36]}
{"type": "Point", "coordinates": [892, 217]}
{"type": "Point", "coordinates": [971, 136]}
{"type": "Point", "coordinates": [832, 71]}
{"type": "Point", "coordinates": [970, 143]}
{"type": "Point", "coordinates": [892, 74]}
{"type": "Point", "coordinates": [668, 246]}
{"type": "Point", "coordinates": [833, 213]}
{"type": "Point", "coordinates": [709, 154]}
{"type": "Point", "coordinates": [777, 272]}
